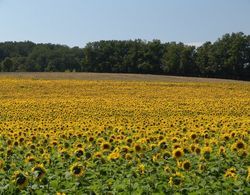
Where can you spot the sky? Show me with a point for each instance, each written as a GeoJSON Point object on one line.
{"type": "Point", "coordinates": [77, 22]}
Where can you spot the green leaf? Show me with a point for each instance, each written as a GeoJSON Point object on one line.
{"type": "Point", "coordinates": [54, 184]}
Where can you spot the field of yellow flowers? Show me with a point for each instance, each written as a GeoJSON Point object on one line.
{"type": "Point", "coordinates": [124, 137]}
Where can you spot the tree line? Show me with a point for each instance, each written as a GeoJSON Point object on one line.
{"type": "Point", "coordinates": [228, 57]}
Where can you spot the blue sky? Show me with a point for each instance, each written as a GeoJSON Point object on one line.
{"type": "Point", "coordinates": [76, 22]}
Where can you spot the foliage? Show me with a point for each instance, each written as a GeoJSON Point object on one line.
{"type": "Point", "coordinates": [228, 57]}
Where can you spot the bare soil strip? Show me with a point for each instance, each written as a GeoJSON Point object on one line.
{"type": "Point", "coordinates": [108, 76]}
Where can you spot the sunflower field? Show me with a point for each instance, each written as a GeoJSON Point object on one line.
{"type": "Point", "coordinates": [124, 137]}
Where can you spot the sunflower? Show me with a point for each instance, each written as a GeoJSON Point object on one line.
{"type": "Point", "coordinates": [105, 146]}
{"type": "Point", "coordinates": [201, 167]}
{"type": "Point", "coordinates": [64, 154]}
{"type": "Point", "coordinates": [124, 149]}
{"type": "Point", "coordinates": [177, 153]}
{"type": "Point", "coordinates": [155, 157]}
{"type": "Point", "coordinates": [77, 170]}
{"type": "Point", "coordinates": [230, 173]}
{"type": "Point", "coordinates": [240, 145]}
{"type": "Point", "coordinates": [98, 156]}
{"type": "Point", "coordinates": [20, 179]}
{"type": "Point", "coordinates": [193, 136]}
{"type": "Point", "coordinates": [100, 140]}
{"type": "Point", "coordinates": [174, 139]}
{"type": "Point", "coordinates": [128, 156]}
{"type": "Point", "coordinates": [248, 174]}
{"type": "Point", "coordinates": [88, 155]}
{"type": "Point", "coordinates": [1, 164]}
{"type": "Point", "coordinates": [114, 156]}
{"type": "Point", "coordinates": [152, 146]}
{"type": "Point", "coordinates": [46, 158]}
{"type": "Point", "coordinates": [226, 137]}
{"type": "Point", "coordinates": [176, 145]}
{"type": "Point", "coordinates": [54, 143]}
{"type": "Point", "coordinates": [186, 165]}
{"type": "Point", "coordinates": [137, 147]}
{"type": "Point", "coordinates": [79, 145]}
{"type": "Point", "coordinates": [242, 153]}
{"type": "Point", "coordinates": [176, 179]}
{"type": "Point", "coordinates": [197, 150]}
{"type": "Point", "coordinates": [163, 144]}
{"type": "Point", "coordinates": [21, 139]}
{"type": "Point", "coordinates": [206, 151]}
{"type": "Point", "coordinates": [39, 171]}
{"type": "Point", "coordinates": [16, 143]}
{"type": "Point", "coordinates": [192, 147]}
{"type": "Point", "coordinates": [30, 159]}
{"type": "Point", "coordinates": [167, 169]}
{"type": "Point", "coordinates": [9, 152]}
{"type": "Point", "coordinates": [222, 151]}
{"type": "Point", "coordinates": [41, 150]}
{"type": "Point", "coordinates": [60, 193]}
{"type": "Point", "coordinates": [79, 152]}
{"type": "Point", "coordinates": [129, 141]}
{"type": "Point", "coordinates": [9, 142]}
{"type": "Point", "coordinates": [233, 134]}
{"type": "Point", "coordinates": [141, 168]}
{"type": "Point", "coordinates": [166, 155]}
{"type": "Point", "coordinates": [91, 138]}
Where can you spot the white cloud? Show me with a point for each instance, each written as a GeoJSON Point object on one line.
{"type": "Point", "coordinates": [196, 44]}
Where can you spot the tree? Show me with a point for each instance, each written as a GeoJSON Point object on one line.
{"type": "Point", "coordinates": [228, 57]}
{"type": "Point", "coordinates": [7, 65]}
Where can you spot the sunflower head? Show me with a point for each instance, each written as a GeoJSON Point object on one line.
{"type": "Point", "coordinates": [98, 155]}
{"type": "Point", "coordinates": [124, 149]}
{"type": "Point", "coordinates": [176, 179]}
{"type": "Point", "coordinates": [186, 165]}
{"type": "Point", "coordinates": [60, 193]}
{"type": "Point", "coordinates": [91, 138]}
{"type": "Point", "coordinates": [39, 171]}
{"type": "Point", "coordinates": [79, 152]}
{"type": "Point", "coordinates": [167, 169]}
{"type": "Point", "coordinates": [128, 156]}
{"type": "Point", "coordinates": [193, 136]}
{"type": "Point", "coordinates": [197, 150]}
{"type": "Point", "coordinates": [20, 179]}
{"type": "Point", "coordinates": [88, 155]}
{"type": "Point", "coordinates": [114, 156]}
{"type": "Point", "coordinates": [174, 139]}
{"type": "Point", "coordinates": [201, 167]}
{"type": "Point", "coordinates": [231, 173]}
{"type": "Point", "coordinates": [163, 144]}
{"type": "Point", "coordinates": [137, 147]}
{"type": "Point", "coordinates": [222, 151]}
{"type": "Point", "coordinates": [176, 145]}
{"type": "Point", "coordinates": [240, 145]}
{"type": "Point", "coordinates": [206, 151]}
{"type": "Point", "coordinates": [1, 164]}
{"type": "Point", "coordinates": [166, 155]}
{"type": "Point", "coordinates": [192, 147]}
{"type": "Point", "coordinates": [64, 154]}
{"type": "Point", "coordinates": [77, 170]}
{"type": "Point", "coordinates": [105, 146]}
{"type": "Point", "coordinates": [177, 153]}
{"type": "Point", "coordinates": [242, 153]}
{"type": "Point", "coordinates": [141, 168]}
{"type": "Point", "coordinates": [30, 159]}
{"type": "Point", "coordinates": [248, 174]}
{"type": "Point", "coordinates": [226, 137]}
